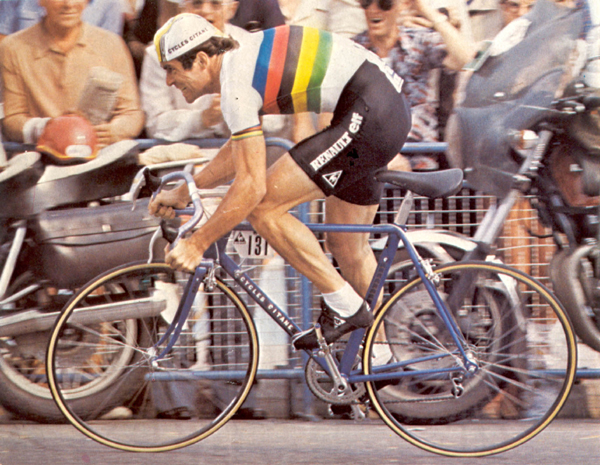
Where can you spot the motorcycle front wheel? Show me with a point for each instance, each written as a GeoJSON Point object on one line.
{"type": "Point", "coordinates": [23, 382]}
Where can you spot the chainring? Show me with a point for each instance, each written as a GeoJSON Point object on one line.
{"type": "Point", "coordinates": [322, 386]}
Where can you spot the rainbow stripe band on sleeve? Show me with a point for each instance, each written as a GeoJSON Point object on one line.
{"type": "Point", "coordinates": [250, 132]}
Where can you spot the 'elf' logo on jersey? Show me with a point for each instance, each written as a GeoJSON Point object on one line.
{"type": "Point", "coordinates": [333, 178]}
{"type": "Point", "coordinates": [340, 144]}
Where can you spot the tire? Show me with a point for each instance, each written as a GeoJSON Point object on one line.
{"type": "Point", "coordinates": [417, 309]}
{"type": "Point", "coordinates": [206, 375]}
{"type": "Point", "coordinates": [523, 344]}
{"type": "Point", "coordinates": [23, 381]}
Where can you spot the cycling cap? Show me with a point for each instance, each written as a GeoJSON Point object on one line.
{"type": "Point", "coordinates": [181, 34]}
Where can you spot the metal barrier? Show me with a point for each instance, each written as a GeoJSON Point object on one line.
{"type": "Point", "coordinates": [461, 213]}
{"type": "Point", "coordinates": [145, 144]}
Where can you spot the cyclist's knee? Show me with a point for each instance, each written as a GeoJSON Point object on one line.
{"type": "Point", "coordinates": [335, 244]}
{"type": "Point", "coordinates": [256, 219]}
{"type": "Point", "coordinates": [261, 219]}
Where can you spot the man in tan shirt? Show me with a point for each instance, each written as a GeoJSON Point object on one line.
{"type": "Point", "coordinates": [45, 68]}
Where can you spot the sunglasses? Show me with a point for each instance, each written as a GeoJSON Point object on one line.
{"type": "Point", "coordinates": [199, 3]}
{"type": "Point", "coordinates": [384, 5]}
{"type": "Point", "coordinates": [516, 6]}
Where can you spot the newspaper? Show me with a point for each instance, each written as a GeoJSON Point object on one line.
{"type": "Point", "coordinates": [99, 95]}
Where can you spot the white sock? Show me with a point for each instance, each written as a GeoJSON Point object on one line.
{"type": "Point", "coordinates": [346, 301]}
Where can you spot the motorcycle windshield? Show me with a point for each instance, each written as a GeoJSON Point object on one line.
{"type": "Point", "coordinates": [512, 90]}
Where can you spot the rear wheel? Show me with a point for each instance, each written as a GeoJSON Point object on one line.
{"type": "Point", "coordinates": [518, 334]}
{"type": "Point", "coordinates": [203, 379]}
{"type": "Point", "coordinates": [418, 315]}
{"type": "Point", "coordinates": [575, 278]}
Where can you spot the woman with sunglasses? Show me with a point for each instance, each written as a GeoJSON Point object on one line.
{"type": "Point", "coordinates": [429, 43]}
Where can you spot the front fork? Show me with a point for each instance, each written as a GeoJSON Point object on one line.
{"type": "Point", "coordinates": [183, 310]}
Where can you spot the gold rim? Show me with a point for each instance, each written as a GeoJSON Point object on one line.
{"type": "Point", "coordinates": [126, 447]}
{"type": "Point", "coordinates": [521, 277]}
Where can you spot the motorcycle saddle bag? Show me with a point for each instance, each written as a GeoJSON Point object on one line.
{"type": "Point", "coordinates": [75, 245]}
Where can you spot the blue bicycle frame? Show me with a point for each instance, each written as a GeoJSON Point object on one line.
{"type": "Point", "coordinates": [216, 254]}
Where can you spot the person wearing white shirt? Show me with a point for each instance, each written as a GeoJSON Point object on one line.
{"type": "Point", "coordinates": [168, 115]}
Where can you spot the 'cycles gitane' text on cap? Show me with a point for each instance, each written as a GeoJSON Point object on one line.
{"type": "Point", "coordinates": [181, 34]}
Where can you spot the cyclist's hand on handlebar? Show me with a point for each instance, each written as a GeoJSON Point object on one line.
{"type": "Point", "coordinates": [185, 256]}
{"type": "Point", "coordinates": [165, 202]}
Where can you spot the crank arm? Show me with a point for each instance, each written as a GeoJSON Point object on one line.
{"type": "Point", "coordinates": [340, 383]}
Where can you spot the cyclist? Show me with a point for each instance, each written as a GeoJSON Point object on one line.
{"type": "Point", "coordinates": [291, 69]}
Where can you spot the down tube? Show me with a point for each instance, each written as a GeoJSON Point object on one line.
{"type": "Point", "coordinates": [256, 293]}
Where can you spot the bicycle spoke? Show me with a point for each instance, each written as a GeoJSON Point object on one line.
{"type": "Point", "coordinates": [173, 401]}
{"type": "Point", "coordinates": [517, 333]}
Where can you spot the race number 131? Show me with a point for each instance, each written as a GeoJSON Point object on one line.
{"type": "Point", "coordinates": [249, 244]}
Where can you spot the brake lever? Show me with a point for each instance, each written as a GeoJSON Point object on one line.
{"type": "Point", "coordinates": [168, 232]}
{"type": "Point", "coordinates": [136, 186]}
{"type": "Point", "coordinates": [153, 182]}
{"type": "Point", "coordinates": [142, 179]}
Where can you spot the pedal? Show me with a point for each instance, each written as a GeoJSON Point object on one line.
{"type": "Point", "coordinates": [351, 411]}
{"type": "Point", "coordinates": [357, 413]}
{"type": "Point", "coordinates": [321, 342]}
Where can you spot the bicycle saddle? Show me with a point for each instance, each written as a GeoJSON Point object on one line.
{"type": "Point", "coordinates": [433, 184]}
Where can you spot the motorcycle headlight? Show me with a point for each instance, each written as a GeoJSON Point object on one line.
{"type": "Point", "coordinates": [523, 140]}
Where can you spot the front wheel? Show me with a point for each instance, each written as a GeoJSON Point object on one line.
{"type": "Point", "coordinates": [181, 397]}
{"type": "Point", "coordinates": [515, 330]}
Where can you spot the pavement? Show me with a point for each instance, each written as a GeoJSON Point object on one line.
{"type": "Point", "coordinates": [287, 442]}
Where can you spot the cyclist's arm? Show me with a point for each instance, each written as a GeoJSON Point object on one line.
{"type": "Point", "coordinates": [217, 172]}
{"type": "Point", "coordinates": [248, 159]}
{"type": "Point", "coordinates": [220, 170]}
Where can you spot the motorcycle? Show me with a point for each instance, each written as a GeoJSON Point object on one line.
{"type": "Point", "coordinates": [525, 121]}
{"type": "Point", "coordinates": [529, 126]}
{"type": "Point", "coordinates": [60, 226]}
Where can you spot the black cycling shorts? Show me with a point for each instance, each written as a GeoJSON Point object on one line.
{"type": "Point", "coordinates": [369, 127]}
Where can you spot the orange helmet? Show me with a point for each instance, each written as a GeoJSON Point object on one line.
{"type": "Point", "coordinates": [68, 139]}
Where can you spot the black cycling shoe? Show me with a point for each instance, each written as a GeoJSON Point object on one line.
{"type": "Point", "coordinates": [333, 326]}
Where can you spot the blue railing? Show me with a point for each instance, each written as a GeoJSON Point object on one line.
{"type": "Point", "coordinates": [145, 144]}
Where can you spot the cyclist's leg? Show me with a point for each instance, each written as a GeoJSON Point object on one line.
{"type": "Point", "coordinates": [351, 250]}
{"type": "Point", "coordinates": [354, 254]}
{"type": "Point", "coordinates": [288, 186]}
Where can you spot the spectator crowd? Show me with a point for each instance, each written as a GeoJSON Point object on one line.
{"type": "Point", "coordinates": [55, 54]}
